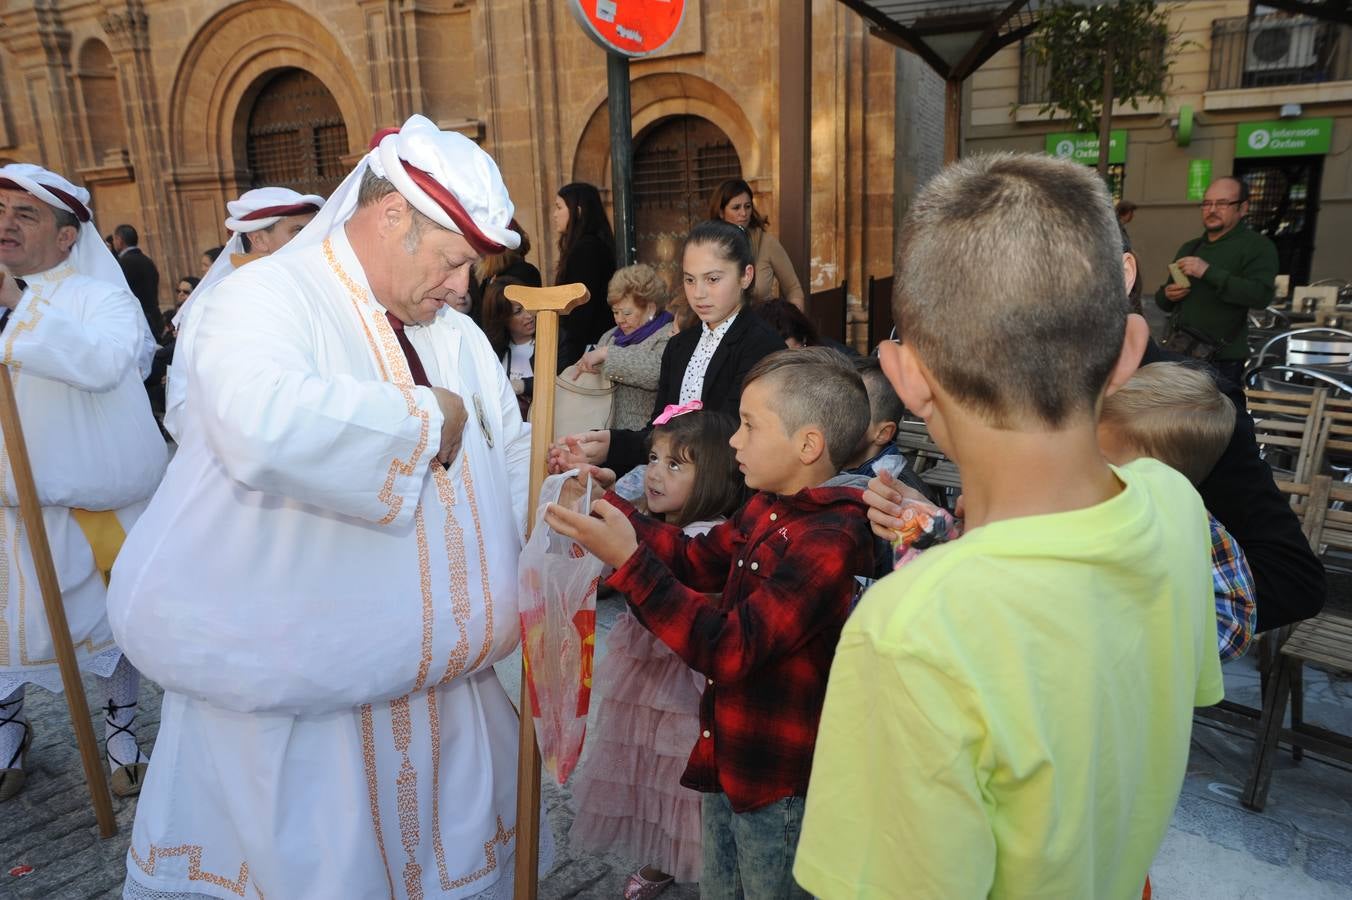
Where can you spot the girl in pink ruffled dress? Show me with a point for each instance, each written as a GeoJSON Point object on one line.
{"type": "Point", "coordinates": [628, 789]}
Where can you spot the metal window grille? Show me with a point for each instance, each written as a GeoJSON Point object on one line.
{"type": "Point", "coordinates": [1277, 49]}
{"type": "Point", "coordinates": [296, 136]}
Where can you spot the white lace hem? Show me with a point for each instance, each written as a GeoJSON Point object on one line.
{"type": "Point", "coordinates": [49, 677]}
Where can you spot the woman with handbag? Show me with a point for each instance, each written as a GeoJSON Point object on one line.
{"type": "Point", "coordinates": [630, 354]}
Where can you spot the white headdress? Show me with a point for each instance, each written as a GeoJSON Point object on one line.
{"type": "Point", "coordinates": [90, 256]}
{"type": "Point", "coordinates": [442, 174]}
{"type": "Point", "coordinates": [254, 210]}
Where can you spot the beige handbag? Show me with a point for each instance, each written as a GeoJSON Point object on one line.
{"type": "Point", "coordinates": [582, 402]}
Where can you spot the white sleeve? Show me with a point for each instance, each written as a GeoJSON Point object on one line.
{"type": "Point", "coordinates": [90, 346]}
{"type": "Point", "coordinates": [353, 446]}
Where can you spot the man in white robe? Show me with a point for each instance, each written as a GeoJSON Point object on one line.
{"type": "Point", "coordinates": [261, 222]}
{"type": "Point", "coordinates": [72, 338]}
{"type": "Point", "coordinates": [328, 572]}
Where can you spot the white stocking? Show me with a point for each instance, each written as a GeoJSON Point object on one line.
{"type": "Point", "coordinates": [11, 730]}
{"type": "Point", "coordinates": [122, 689]}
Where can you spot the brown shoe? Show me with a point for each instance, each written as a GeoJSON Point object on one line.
{"type": "Point", "coordinates": [12, 778]}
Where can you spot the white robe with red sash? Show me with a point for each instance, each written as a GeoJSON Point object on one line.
{"type": "Point", "coordinates": [323, 603]}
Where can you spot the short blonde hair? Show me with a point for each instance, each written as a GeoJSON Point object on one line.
{"type": "Point", "coordinates": [639, 282]}
{"type": "Point", "coordinates": [1174, 413]}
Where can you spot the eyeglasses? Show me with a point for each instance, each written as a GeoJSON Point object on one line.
{"type": "Point", "coordinates": [182, 291]}
{"type": "Point", "coordinates": [1219, 204]}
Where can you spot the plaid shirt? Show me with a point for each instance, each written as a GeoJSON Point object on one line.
{"type": "Point", "coordinates": [1236, 614]}
{"type": "Point", "coordinates": [785, 568]}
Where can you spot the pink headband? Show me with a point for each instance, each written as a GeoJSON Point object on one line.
{"type": "Point", "coordinates": [673, 410]}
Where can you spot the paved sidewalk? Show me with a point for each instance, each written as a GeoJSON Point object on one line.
{"type": "Point", "coordinates": [1300, 847]}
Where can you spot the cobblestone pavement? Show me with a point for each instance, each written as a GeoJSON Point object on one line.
{"type": "Point", "coordinates": [1300, 847]}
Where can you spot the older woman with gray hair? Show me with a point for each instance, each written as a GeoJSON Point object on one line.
{"type": "Point", "coordinates": [630, 354]}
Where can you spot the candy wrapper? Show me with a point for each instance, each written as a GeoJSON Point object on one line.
{"type": "Point", "coordinates": [922, 526]}
{"type": "Point", "coordinates": [558, 582]}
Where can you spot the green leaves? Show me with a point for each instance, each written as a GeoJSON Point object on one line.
{"type": "Point", "coordinates": [1074, 42]}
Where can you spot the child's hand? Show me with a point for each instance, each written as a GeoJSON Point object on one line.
{"type": "Point", "coordinates": [574, 487]}
{"type": "Point", "coordinates": [884, 496]}
{"type": "Point", "coordinates": [610, 538]}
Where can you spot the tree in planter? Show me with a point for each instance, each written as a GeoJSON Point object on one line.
{"type": "Point", "coordinates": [1095, 54]}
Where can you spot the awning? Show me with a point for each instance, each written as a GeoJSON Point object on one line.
{"type": "Point", "coordinates": [954, 36]}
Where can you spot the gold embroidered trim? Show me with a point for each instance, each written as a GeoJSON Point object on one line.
{"type": "Point", "coordinates": [85, 644]}
{"type": "Point", "coordinates": [368, 755]}
{"type": "Point", "coordinates": [36, 287]}
{"type": "Point", "coordinates": [502, 837]}
{"type": "Point", "coordinates": [458, 573]}
{"type": "Point", "coordinates": [195, 873]}
{"type": "Point", "coordinates": [406, 796]}
{"type": "Point", "coordinates": [425, 584]}
{"type": "Point", "coordinates": [362, 304]}
{"type": "Point", "coordinates": [468, 483]}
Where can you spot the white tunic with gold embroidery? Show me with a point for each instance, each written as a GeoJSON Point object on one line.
{"type": "Point", "coordinates": [71, 345]}
{"type": "Point", "coordinates": [323, 603]}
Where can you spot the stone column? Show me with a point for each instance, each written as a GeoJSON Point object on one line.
{"type": "Point", "coordinates": [37, 38]}
{"type": "Point", "coordinates": [127, 26]}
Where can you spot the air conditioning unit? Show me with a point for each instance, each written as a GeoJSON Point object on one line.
{"type": "Point", "coordinates": [1278, 43]}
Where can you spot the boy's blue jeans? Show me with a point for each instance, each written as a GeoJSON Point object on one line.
{"type": "Point", "coordinates": [749, 856]}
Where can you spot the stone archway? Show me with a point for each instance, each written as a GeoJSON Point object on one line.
{"type": "Point", "coordinates": [217, 79]}
{"type": "Point", "coordinates": [294, 134]}
{"type": "Point", "coordinates": [661, 96]}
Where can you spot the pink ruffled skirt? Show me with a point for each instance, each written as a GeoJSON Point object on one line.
{"type": "Point", "coordinates": [628, 789]}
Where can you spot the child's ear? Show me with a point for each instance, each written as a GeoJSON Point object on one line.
{"type": "Point", "coordinates": [811, 445]}
{"type": "Point", "coordinates": [748, 276]}
{"type": "Point", "coordinates": [908, 377]}
{"type": "Point", "coordinates": [884, 433]}
{"type": "Point", "coordinates": [1135, 338]}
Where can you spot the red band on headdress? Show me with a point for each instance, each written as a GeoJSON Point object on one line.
{"type": "Point", "coordinates": [448, 202]}
{"type": "Point", "coordinates": [267, 212]}
{"type": "Point", "coordinates": [380, 136]}
{"type": "Point", "coordinates": [78, 209]}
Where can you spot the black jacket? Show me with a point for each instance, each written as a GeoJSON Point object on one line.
{"type": "Point", "coordinates": [1242, 495]}
{"type": "Point", "coordinates": [747, 342]}
{"type": "Point", "coordinates": [592, 263]}
{"type": "Point", "coordinates": [144, 280]}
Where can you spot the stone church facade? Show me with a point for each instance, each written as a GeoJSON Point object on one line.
{"type": "Point", "coordinates": [165, 109]}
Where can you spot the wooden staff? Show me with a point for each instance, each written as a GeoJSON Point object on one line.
{"type": "Point", "coordinates": [31, 511]}
{"type": "Point", "coordinates": [547, 304]}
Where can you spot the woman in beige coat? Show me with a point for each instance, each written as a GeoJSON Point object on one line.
{"type": "Point", "coordinates": [630, 354]}
{"type": "Point", "coordinates": [732, 203]}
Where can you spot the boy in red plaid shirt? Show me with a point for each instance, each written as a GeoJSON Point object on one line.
{"type": "Point", "coordinates": [784, 566]}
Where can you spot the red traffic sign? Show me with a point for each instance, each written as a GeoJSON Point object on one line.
{"type": "Point", "coordinates": [629, 27]}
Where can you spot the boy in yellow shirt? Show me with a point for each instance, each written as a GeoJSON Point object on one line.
{"type": "Point", "coordinates": [1009, 715]}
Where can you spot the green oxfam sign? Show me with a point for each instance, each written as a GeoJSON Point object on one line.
{"type": "Point", "coordinates": [1284, 137]}
{"type": "Point", "coordinates": [1084, 148]}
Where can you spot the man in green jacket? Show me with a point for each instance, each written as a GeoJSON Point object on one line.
{"type": "Point", "coordinates": [1231, 269]}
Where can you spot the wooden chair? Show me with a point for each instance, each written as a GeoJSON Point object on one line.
{"type": "Point", "coordinates": [929, 462]}
{"type": "Point", "coordinates": [1325, 640]}
{"type": "Point", "coordinates": [1333, 444]}
{"type": "Point", "coordinates": [1286, 426]}
{"type": "Point", "coordinates": [880, 322]}
{"type": "Point", "coordinates": [829, 311]}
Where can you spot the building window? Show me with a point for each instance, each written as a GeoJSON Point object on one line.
{"type": "Point", "coordinates": [296, 135]}
{"type": "Point", "coordinates": [1035, 73]}
{"type": "Point", "coordinates": [1278, 49]}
